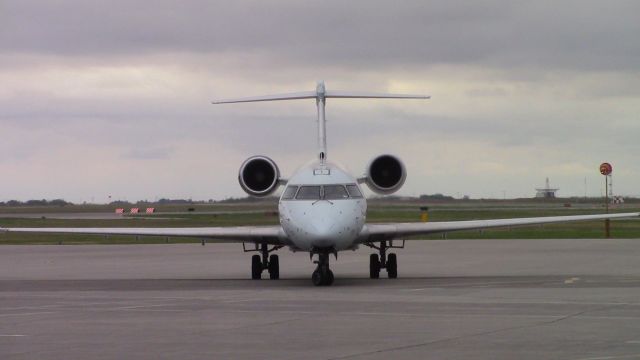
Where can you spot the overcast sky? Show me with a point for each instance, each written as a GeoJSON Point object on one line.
{"type": "Point", "coordinates": [101, 98]}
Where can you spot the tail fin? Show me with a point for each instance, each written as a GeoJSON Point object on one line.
{"type": "Point", "coordinates": [321, 95]}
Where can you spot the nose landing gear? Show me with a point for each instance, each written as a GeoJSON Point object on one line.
{"type": "Point", "coordinates": [382, 261]}
{"type": "Point", "coordinates": [322, 275]}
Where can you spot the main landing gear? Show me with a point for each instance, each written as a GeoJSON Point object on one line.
{"type": "Point", "coordinates": [322, 275]}
{"type": "Point", "coordinates": [264, 261]}
{"type": "Point", "coordinates": [384, 261]}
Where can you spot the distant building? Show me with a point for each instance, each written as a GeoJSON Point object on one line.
{"type": "Point", "coordinates": [547, 192]}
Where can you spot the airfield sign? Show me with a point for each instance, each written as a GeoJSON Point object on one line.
{"type": "Point", "coordinates": [606, 169]}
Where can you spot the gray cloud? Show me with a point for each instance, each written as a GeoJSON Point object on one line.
{"type": "Point", "coordinates": [572, 34]}
{"type": "Point", "coordinates": [145, 153]}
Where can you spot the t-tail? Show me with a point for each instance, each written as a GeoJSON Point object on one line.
{"type": "Point", "coordinates": [321, 95]}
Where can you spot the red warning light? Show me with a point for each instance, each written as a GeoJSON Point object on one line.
{"type": "Point", "coordinates": [605, 169]}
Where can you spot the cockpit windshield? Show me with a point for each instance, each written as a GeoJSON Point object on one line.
{"type": "Point", "coordinates": [290, 192]}
{"type": "Point", "coordinates": [354, 192]}
{"type": "Point", "coordinates": [335, 192]}
{"type": "Point", "coordinates": [308, 193]}
{"type": "Point", "coordinates": [322, 192]}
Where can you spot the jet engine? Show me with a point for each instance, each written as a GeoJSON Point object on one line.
{"type": "Point", "coordinates": [385, 174]}
{"type": "Point", "coordinates": [259, 176]}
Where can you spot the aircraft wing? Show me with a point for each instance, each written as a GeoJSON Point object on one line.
{"type": "Point", "coordinates": [390, 231]}
{"type": "Point", "coordinates": [258, 234]}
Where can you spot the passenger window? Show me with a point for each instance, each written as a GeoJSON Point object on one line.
{"type": "Point", "coordinates": [335, 192]}
{"type": "Point", "coordinates": [309, 193]}
{"type": "Point", "coordinates": [289, 192]}
{"type": "Point", "coordinates": [354, 192]}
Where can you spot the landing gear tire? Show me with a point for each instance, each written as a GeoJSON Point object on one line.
{"type": "Point", "coordinates": [322, 275]}
{"type": "Point", "coordinates": [316, 278]}
{"type": "Point", "coordinates": [322, 278]}
{"type": "Point", "coordinates": [329, 278]}
{"type": "Point", "coordinates": [374, 266]}
{"type": "Point", "coordinates": [274, 267]}
{"type": "Point", "coordinates": [256, 267]}
{"type": "Point", "coordinates": [392, 266]}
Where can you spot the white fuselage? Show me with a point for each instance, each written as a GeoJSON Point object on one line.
{"type": "Point", "coordinates": [322, 207]}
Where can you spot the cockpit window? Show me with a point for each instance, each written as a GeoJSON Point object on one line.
{"type": "Point", "coordinates": [309, 193]}
{"type": "Point", "coordinates": [289, 192]}
{"type": "Point", "coordinates": [354, 192]}
{"type": "Point", "coordinates": [335, 192]}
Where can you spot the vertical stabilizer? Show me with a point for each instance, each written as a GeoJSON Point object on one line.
{"type": "Point", "coordinates": [322, 121]}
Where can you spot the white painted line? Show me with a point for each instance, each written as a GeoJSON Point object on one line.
{"type": "Point", "coordinates": [11, 335]}
{"type": "Point", "coordinates": [633, 342]}
{"type": "Point", "coordinates": [240, 300]}
{"type": "Point", "coordinates": [156, 310]}
{"type": "Point", "coordinates": [572, 280]}
{"type": "Point", "coordinates": [448, 315]}
{"type": "Point", "coordinates": [136, 307]}
{"type": "Point", "coordinates": [28, 314]}
{"type": "Point", "coordinates": [31, 307]}
{"type": "Point", "coordinates": [476, 284]}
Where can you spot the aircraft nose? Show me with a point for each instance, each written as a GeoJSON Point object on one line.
{"type": "Point", "coordinates": [322, 232]}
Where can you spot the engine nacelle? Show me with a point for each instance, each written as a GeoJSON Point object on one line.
{"type": "Point", "coordinates": [385, 174]}
{"type": "Point", "coordinates": [259, 176]}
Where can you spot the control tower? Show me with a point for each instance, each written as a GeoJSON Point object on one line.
{"type": "Point", "coordinates": [547, 192]}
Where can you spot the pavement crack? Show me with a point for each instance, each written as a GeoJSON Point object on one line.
{"type": "Point", "coordinates": [412, 346]}
{"type": "Point", "coordinates": [483, 333]}
{"type": "Point", "coordinates": [606, 307]}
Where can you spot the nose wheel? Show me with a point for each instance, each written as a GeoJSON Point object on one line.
{"type": "Point", "coordinates": [381, 261]}
{"type": "Point", "coordinates": [322, 275]}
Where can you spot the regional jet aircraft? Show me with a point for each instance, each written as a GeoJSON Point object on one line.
{"type": "Point", "coordinates": [322, 210]}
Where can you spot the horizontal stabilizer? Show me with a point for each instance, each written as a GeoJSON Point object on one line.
{"type": "Point", "coordinates": [290, 96]}
{"type": "Point", "coordinates": [321, 93]}
{"type": "Point", "coordinates": [365, 95]}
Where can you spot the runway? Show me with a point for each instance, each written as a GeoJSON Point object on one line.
{"type": "Point", "coordinates": [475, 299]}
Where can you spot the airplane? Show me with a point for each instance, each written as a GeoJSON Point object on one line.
{"type": "Point", "coordinates": [322, 209]}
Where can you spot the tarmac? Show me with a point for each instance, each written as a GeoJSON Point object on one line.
{"type": "Point", "coordinates": [454, 299]}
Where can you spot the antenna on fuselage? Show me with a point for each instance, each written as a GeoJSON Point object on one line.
{"type": "Point", "coordinates": [321, 94]}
